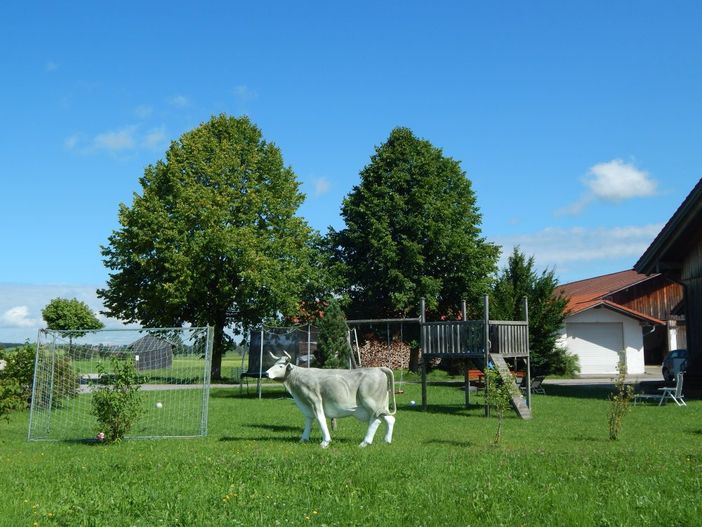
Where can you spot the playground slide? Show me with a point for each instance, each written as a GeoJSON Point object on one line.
{"type": "Point", "coordinates": [518, 400]}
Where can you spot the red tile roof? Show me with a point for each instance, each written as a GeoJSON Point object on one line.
{"type": "Point", "coordinates": [592, 292]}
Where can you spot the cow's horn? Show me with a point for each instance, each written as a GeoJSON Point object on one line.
{"type": "Point", "coordinates": [286, 354]}
{"type": "Point", "coordinates": [274, 357]}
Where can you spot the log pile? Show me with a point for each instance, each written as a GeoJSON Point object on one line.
{"type": "Point", "coordinates": [378, 353]}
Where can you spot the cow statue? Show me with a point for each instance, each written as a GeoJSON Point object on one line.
{"type": "Point", "coordinates": [363, 393]}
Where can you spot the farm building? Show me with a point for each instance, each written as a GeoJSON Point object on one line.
{"type": "Point", "coordinates": [676, 253]}
{"type": "Point", "coordinates": [621, 315]}
{"type": "Point", "coordinates": [152, 352]}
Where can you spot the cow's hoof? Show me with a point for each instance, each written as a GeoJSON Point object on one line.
{"type": "Point", "coordinates": [325, 444]}
{"type": "Point", "coordinates": [363, 445]}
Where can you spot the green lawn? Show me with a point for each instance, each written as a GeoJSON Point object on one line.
{"type": "Point", "coordinates": [442, 469]}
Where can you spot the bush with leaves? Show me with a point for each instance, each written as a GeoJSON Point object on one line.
{"type": "Point", "coordinates": [499, 396]}
{"type": "Point", "coordinates": [10, 397]}
{"type": "Point", "coordinates": [620, 402]}
{"type": "Point", "coordinates": [20, 367]}
{"type": "Point", "coordinates": [119, 405]}
{"type": "Point", "coordinates": [19, 374]}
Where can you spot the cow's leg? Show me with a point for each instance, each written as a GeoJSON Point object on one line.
{"type": "Point", "coordinates": [390, 423]}
{"type": "Point", "coordinates": [322, 420]}
{"type": "Point", "coordinates": [308, 429]}
{"type": "Point", "coordinates": [370, 434]}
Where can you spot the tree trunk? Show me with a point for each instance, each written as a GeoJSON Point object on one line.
{"type": "Point", "coordinates": [217, 352]}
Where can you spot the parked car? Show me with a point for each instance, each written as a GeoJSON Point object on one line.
{"type": "Point", "coordinates": [674, 362]}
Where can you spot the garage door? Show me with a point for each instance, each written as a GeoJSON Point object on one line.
{"type": "Point", "coordinates": [596, 345]}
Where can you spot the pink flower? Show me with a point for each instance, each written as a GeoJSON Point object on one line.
{"type": "Point", "coordinates": [100, 436]}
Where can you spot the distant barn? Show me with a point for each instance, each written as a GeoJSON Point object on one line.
{"type": "Point", "coordinates": [152, 353]}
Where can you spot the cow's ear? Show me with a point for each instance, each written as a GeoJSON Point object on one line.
{"type": "Point", "coordinates": [289, 366]}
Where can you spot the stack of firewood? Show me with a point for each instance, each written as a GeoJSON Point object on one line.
{"type": "Point", "coordinates": [394, 355]}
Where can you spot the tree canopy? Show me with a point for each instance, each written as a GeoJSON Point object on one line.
{"type": "Point", "coordinates": [547, 311]}
{"type": "Point", "coordinates": [412, 230]}
{"type": "Point", "coordinates": [69, 315]}
{"type": "Point", "coordinates": [213, 238]}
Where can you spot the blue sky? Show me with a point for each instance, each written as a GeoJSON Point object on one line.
{"type": "Point", "coordinates": [578, 123]}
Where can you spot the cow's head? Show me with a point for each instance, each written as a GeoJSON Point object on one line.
{"type": "Point", "coordinates": [281, 367]}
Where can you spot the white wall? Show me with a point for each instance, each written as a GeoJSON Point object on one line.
{"type": "Point", "coordinates": [607, 363]}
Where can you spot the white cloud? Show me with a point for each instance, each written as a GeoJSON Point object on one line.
{"type": "Point", "coordinates": [179, 101]}
{"type": "Point", "coordinates": [127, 138]}
{"type": "Point", "coordinates": [51, 66]}
{"type": "Point", "coordinates": [579, 246]}
{"type": "Point", "coordinates": [115, 141]}
{"type": "Point", "coordinates": [617, 181]}
{"type": "Point", "coordinates": [71, 141]}
{"type": "Point", "coordinates": [244, 94]}
{"type": "Point", "coordinates": [613, 181]}
{"type": "Point", "coordinates": [17, 317]}
{"type": "Point", "coordinates": [143, 111]}
{"type": "Point", "coordinates": [321, 186]}
{"type": "Point", "coordinates": [155, 138]}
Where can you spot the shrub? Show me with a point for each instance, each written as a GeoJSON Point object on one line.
{"type": "Point", "coordinates": [117, 406]}
{"type": "Point", "coordinates": [564, 363]}
{"type": "Point", "coordinates": [20, 368]}
{"type": "Point", "coordinates": [619, 402]}
{"type": "Point", "coordinates": [499, 396]}
{"type": "Point", "coordinates": [10, 397]}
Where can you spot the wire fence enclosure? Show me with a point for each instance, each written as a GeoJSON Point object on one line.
{"type": "Point", "coordinates": [173, 371]}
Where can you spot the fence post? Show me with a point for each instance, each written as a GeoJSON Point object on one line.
{"type": "Point", "coordinates": [260, 364]}
{"type": "Point", "coordinates": [528, 359]}
{"type": "Point", "coordinates": [486, 344]}
{"type": "Point", "coordinates": [422, 344]}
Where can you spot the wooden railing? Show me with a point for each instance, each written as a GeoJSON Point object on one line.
{"type": "Point", "coordinates": [466, 339]}
{"type": "Point", "coordinates": [509, 338]}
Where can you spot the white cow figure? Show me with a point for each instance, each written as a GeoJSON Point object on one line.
{"type": "Point", "coordinates": [363, 393]}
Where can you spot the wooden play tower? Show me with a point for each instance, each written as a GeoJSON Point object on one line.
{"type": "Point", "coordinates": [487, 343]}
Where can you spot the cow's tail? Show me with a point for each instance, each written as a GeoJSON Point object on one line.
{"type": "Point", "coordinates": [391, 388]}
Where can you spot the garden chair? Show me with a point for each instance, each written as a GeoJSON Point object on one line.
{"type": "Point", "coordinates": [673, 392]}
{"type": "Point", "coordinates": [653, 397]}
{"type": "Point", "coordinates": [535, 385]}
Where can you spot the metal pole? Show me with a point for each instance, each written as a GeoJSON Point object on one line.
{"type": "Point", "coordinates": [528, 358]}
{"type": "Point", "coordinates": [260, 364]}
{"type": "Point", "coordinates": [33, 406]}
{"type": "Point", "coordinates": [309, 336]}
{"type": "Point", "coordinates": [464, 313]}
{"type": "Point", "coordinates": [422, 343]}
{"type": "Point", "coordinates": [486, 345]}
{"type": "Point", "coordinates": [209, 342]}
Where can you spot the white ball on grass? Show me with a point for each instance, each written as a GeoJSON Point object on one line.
{"type": "Point", "coordinates": [412, 403]}
{"type": "Point", "coordinates": [159, 404]}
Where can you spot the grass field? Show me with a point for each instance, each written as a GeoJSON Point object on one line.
{"type": "Point", "coordinates": [442, 469]}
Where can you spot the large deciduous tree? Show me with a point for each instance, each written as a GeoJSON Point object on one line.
{"type": "Point", "coordinates": [547, 311]}
{"type": "Point", "coordinates": [413, 230]}
{"type": "Point", "coordinates": [213, 238]}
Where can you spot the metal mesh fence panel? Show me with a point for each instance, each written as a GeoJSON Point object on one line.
{"type": "Point", "coordinates": [300, 342]}
{"type": "Point", "coordinates": [173, 375]}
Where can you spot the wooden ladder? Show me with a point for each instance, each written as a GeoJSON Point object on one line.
{"type": "Point", "coordinates": [518, 400]}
